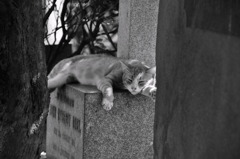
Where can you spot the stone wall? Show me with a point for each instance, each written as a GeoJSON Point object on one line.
{"type": "Point", "coordinates": [198, 73]}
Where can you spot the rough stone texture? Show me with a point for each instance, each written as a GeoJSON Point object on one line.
{"type": "Point", "coordinates": [138, 29]}
{"type": "Point", "coordinates": [125, 132]}
{"type": "Point", "coordinates": [198, 74]}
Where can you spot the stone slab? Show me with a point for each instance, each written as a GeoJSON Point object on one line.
{"type": "Point", "coordinates": [198, 81]}
{"type": "Point", "coordinates": [125, 132]}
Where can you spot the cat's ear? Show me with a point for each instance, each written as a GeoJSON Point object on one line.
{"type": "Point", "coordinates": [124, 66]}
{"type": "Point", "coordinates": [151, 70]}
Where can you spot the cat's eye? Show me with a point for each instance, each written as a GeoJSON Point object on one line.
{"type": "Point", "coordinates": [141, 83]}
{"type": "Point", "coordinates": [129, 81]}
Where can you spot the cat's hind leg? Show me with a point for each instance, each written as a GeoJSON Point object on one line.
{"type": "Point", "coordinates": [57, 81]}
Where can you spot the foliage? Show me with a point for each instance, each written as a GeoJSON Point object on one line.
{"type": "Point", "coordinates": [89, 25]}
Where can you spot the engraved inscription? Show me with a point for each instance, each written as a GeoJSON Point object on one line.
{"type": "Point", "coordinates": [61, 95]}
{"type": "Point", "coordinates": [76, 124]}
{"type": "Point", "coordinates": [57, 132]}
{"type": "Point", "coordinates": [62, 152]}
{"type": "Point", "coordinates": [64, 136]}
{"type": "Point", "coordinates": [53, 111]}
{"type": "Point", "coordinates": [64, 117]}
{"type": "Point", "coordinates": [55, 147]}
{"type": "Point", "coordinates": [73, 142]}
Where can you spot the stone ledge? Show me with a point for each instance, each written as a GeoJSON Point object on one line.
{"type": "Point", "coordinates": [79, 128]}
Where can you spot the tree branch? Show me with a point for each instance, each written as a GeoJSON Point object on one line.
{"type": "Point", "coordinates": [108, 36]}
{"type": "Point", "coordinates": [46, 16]}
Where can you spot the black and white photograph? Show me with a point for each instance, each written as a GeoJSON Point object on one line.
{"type": "Point", "coordinates": [119, 79]}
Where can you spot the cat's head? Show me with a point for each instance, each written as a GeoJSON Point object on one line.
{"type": "Point", "coordinates": [136, 76]}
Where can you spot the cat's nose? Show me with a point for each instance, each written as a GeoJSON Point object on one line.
{"type": "Point", "coordinates": [134, 88]}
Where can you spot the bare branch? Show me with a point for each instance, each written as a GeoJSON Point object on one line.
{"type": "Point", "coordinates": [108, 36]}
{"type": "Point", "coordinates": [46, 16]}
{"type": "Point", "coordinates": [64, 10]}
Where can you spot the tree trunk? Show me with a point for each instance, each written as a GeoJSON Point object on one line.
{"type": "Point", "coordinates": [23, 84]}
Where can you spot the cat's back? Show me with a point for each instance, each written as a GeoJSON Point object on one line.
{"type": "Point", "coordinates": [98, 62]}
{"type": "Point", "coordinates": [95, 65]}
{"type": "Point", "coordinates": [86, 65]}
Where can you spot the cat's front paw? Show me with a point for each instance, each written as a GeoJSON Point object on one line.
{"type": "Point", "coordinates": [107, 105]}
{"type": "Point", "coordinates": [152, 93]}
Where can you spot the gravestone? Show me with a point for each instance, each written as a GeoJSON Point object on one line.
{"type": "Point", "coordinates": [198, 80]}
{"type": "Point", "coordinates": [79, 128]}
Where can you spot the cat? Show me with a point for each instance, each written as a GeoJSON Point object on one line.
{"type": "Point", "coordinates": [105, 72]}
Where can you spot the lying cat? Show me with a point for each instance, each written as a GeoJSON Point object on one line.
{"type": "Point", "coordinates": [105, 72]}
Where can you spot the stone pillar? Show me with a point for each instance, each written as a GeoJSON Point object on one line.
{"type": "Point", "coordinates": [138, 29]}
{"type": "Point", "coordinates": [79, 128]}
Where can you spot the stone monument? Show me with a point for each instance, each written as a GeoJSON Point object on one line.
{"type": "Point", "coordinates": [79, 128]}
